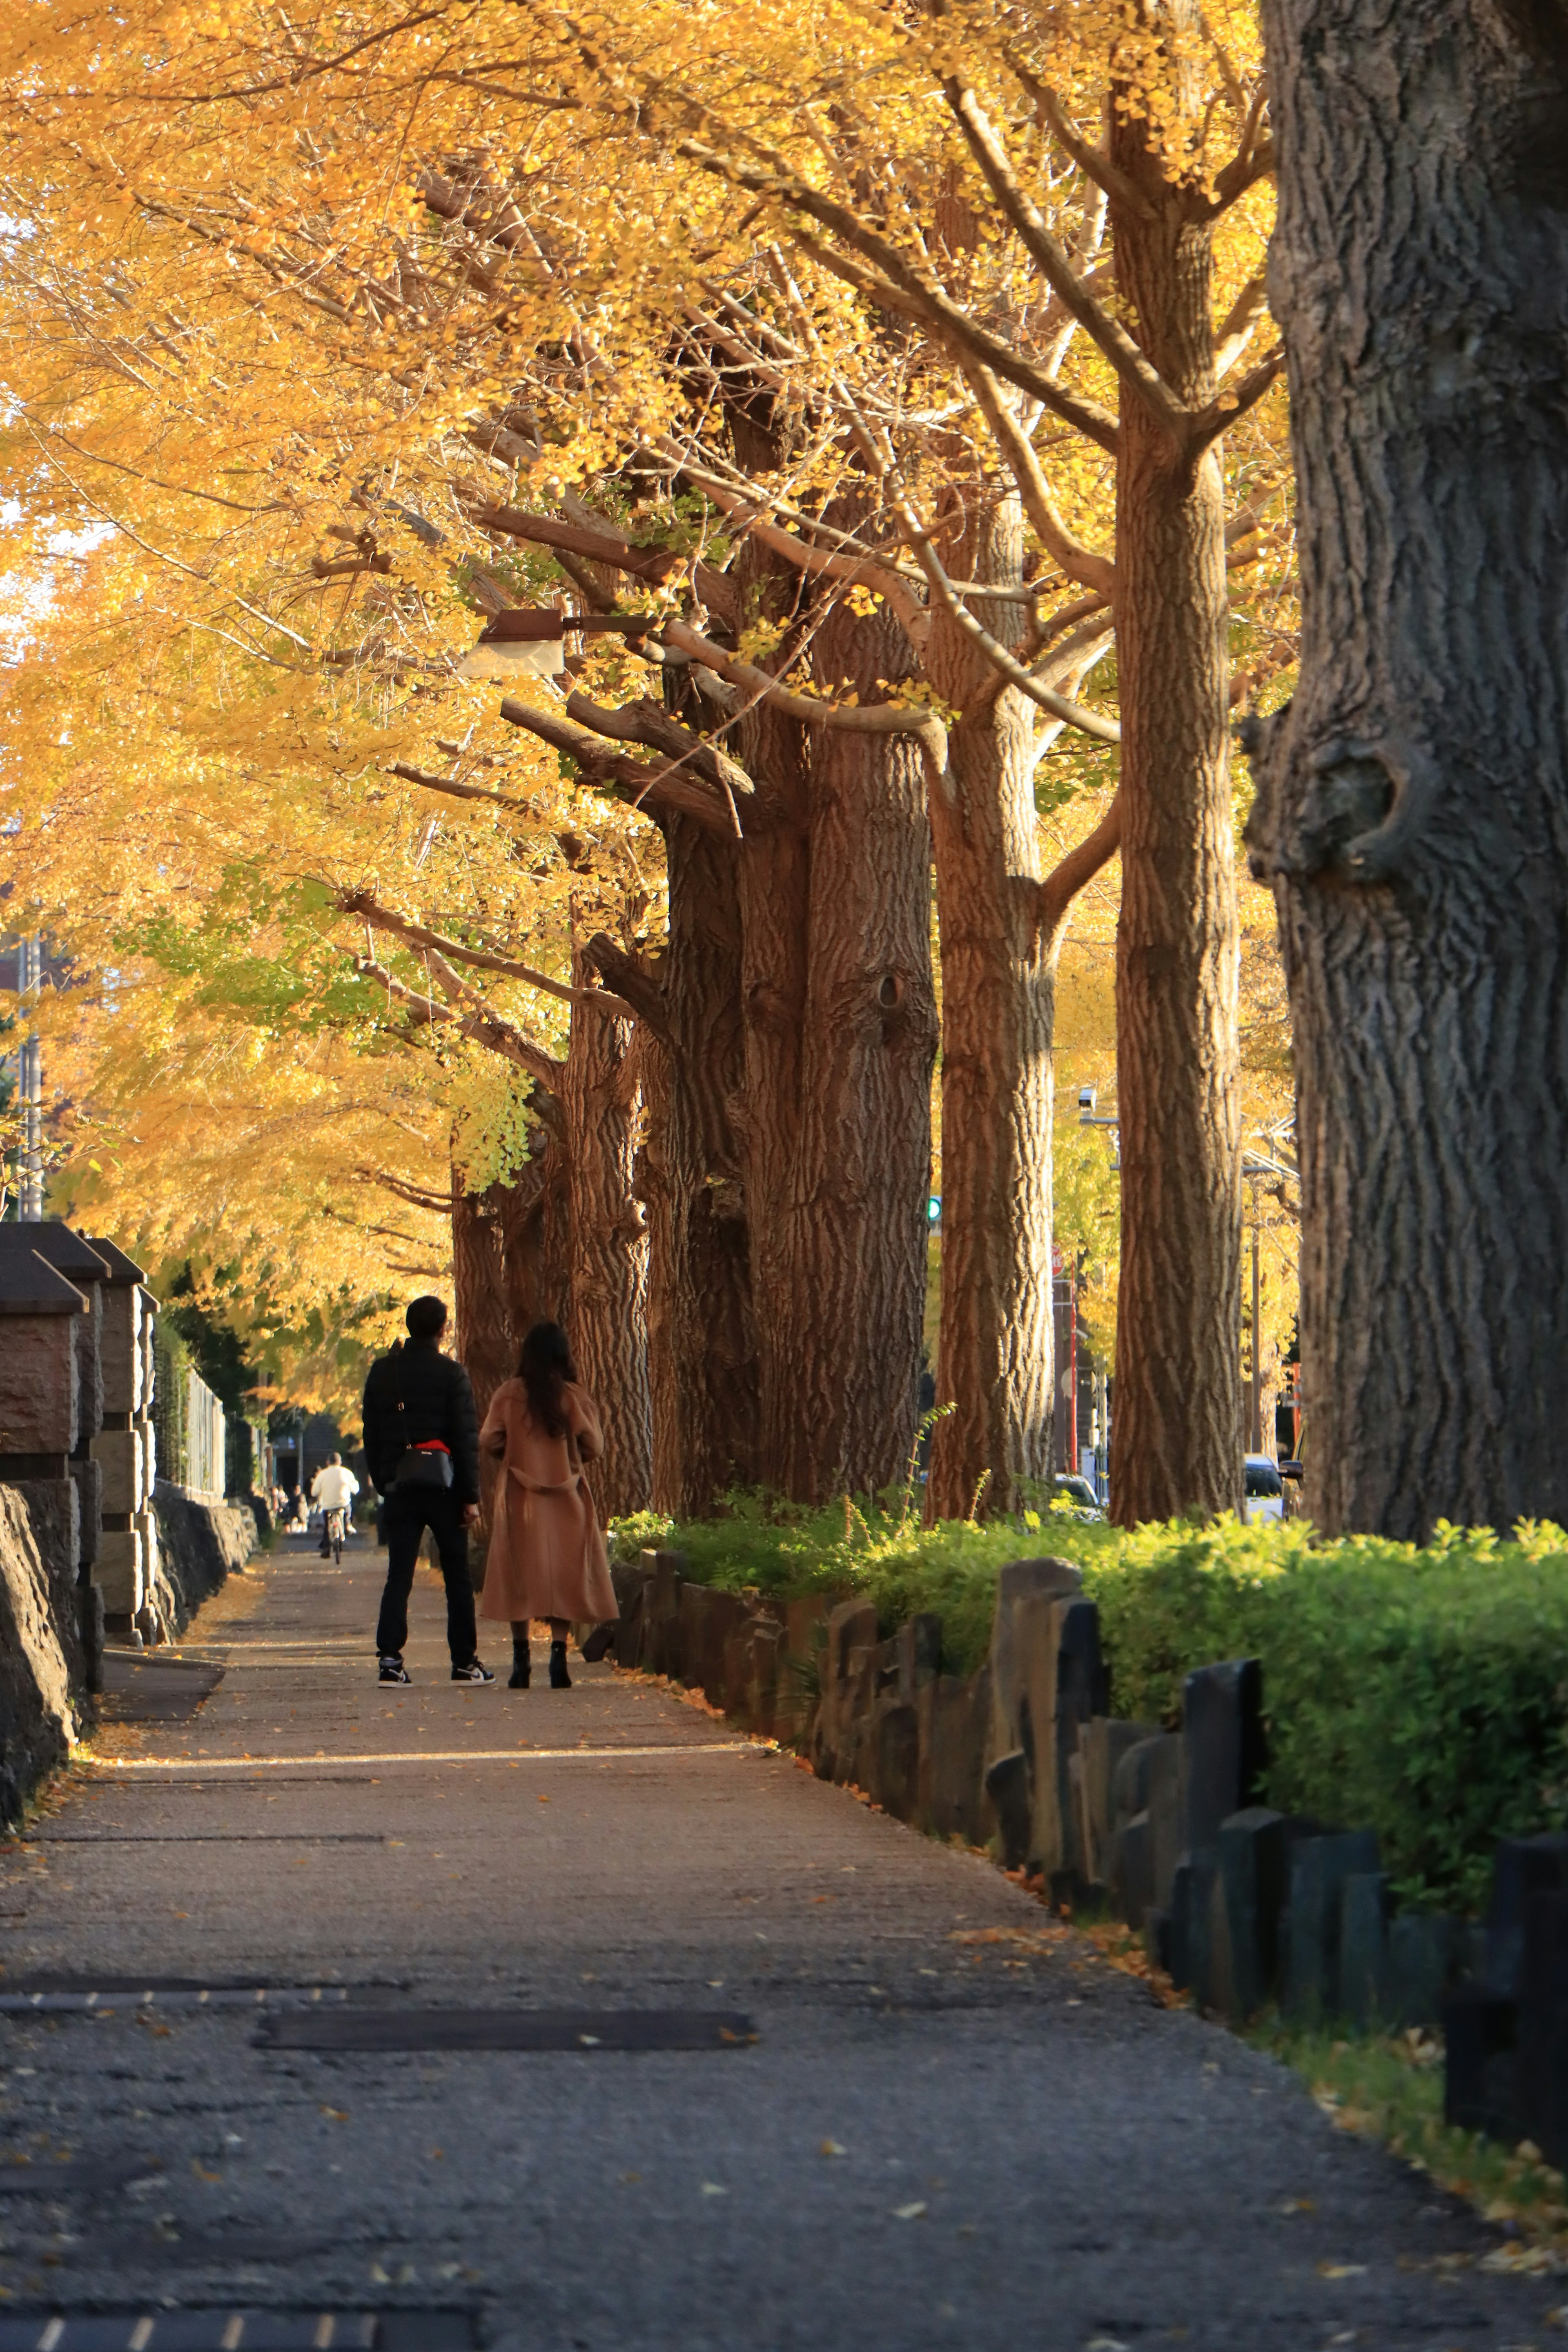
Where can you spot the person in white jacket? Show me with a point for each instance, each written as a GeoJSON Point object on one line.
{"type": "Point", "coordinates": [334, 1489]}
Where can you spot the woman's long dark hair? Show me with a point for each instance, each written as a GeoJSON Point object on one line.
{"type": "Point", "coordinates": [545, 1363]}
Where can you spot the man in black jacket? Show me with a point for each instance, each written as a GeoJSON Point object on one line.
{"type": "Point", "coordinates": [422, 1447]}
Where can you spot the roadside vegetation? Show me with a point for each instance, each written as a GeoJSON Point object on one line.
{"type": "Point", "coordinates": [1415, 1691]}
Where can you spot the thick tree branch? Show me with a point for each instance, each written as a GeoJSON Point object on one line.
{"type": "Point", "coordinates": [632, 978]}
{"type": "Point", "coordinates": [1080, 866]}
{"type": "Point", "coordinates": [659, 791]}
{"type": "Point", "coordinates": [1049, 257]}
{"type": "Point", "coordinates": [458, 791]}
{"type": "Point", "coordinates": [1235, 331]}
{"type": "Point", "coordinates": [1245, 393]}
{"type": "Point", "coordinates": [479, 1026]}
{"type": "Point", "coordinates": [416, 934]}
{"type": "Point", "coordinates": [855, 718]}
{"type": "Point", "coordinates": [647, 722]}
{"type": "Point", "coordinates": [1078, 561]}
{"type": "Point", "coordinates": [438, 1203]}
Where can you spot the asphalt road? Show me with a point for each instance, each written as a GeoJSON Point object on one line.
{"type": "Point", "coordinates": [955, 2127]}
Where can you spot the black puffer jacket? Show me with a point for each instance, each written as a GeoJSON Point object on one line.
{"type": "Point", "coordinates": [437, 1402]}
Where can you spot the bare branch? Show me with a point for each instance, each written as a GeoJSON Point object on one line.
{"type": "Point", "coordinates": [479, 1026]}
{"type": "Point", "coordinates": [1091, 160]}
{"type": "Point", "coordinates": [1110, 337]}
{"type": "Point", "coordinates": [659, 791]}
{"type": "Point", "coordinates": [1078, 561]}
{"type": "Point", "coordinates": [632, 978]}
{"type": "Point", "coordinates": [458, 791]}
{"type": "Point", "coordinates": [438, 1203]}
{"type": "Point", "coordinates": [1062, 885]}
{"type": "Point", "coordinates": [1222, 413]}
{"type": "Point", "coordinates": [1236, 330]}
{"type": "Point", "coordinates": [416, 934]}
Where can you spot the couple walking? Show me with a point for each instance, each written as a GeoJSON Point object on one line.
{"type": "Point", "coordinates": [423, 1446]}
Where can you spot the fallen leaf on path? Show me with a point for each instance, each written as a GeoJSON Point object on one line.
{"type": "Point", "coordinates": [1341, 2270]}
{"type": "Point", "coordinates": [711, 2188]}
{"type": "Point", "coordinates": [908, 2212]}
{"type": "Point", "coordinates": [831, 2147]}
{"type": "Point", "coordinates": [336, 2115]}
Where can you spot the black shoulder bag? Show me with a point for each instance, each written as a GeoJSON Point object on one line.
{"type": "Point", "coordinates": [419, 1465]}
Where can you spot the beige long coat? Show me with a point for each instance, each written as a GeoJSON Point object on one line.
{"type": "Point", "coordinates": [546, 1556]}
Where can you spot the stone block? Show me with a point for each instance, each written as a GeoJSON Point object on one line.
{"type": "Point", "coordinates": [1129, 1876]}
{"type": "Point", "coordinates": [705, 1618]}
{"type": "Point", "coordinates": [1193, 1887]}
{"type": "Point", "coordinates": [1318, 1869]}
{"type": "Point", "coordinates": [39, 1380]}
{"type": "Point", "coordinates": [954, 1714]}
{"type": "Point", "coordinates": [121, 1457]}
{"type": "Point", "coordinates": [88, 1480]}
{"type": "Point", "coordinates": [126, 1305]}
{"type": "Point", "coordinates": [76, 1263]}
{"type": "Point", "coordinates": [917, 1643]}
{"type": "Point", "coordinates": [661, 1609]}
{"type": "Point", "coordinates": [1222, 1722]}
{"type": "Point", "coordinates": [847, 1680]}
{"type": "Point", "coordinates": [1522, 1867]}
{"type": "Point", "coordinates": [1253, 1860]}
{"type": "Point", "coordinates": [1479, 2034]}
{"type": "Point", "coordinates": [1427, 1958]}
{"type": "Point", "coordinates": [894, 1777]}
{"type": "Point", "coordinates": [121, 1572]}
{"type": "Point", "coordinates": [42, 1676]}
{"type": "Point", "coordinates": [763, 1653]}
{"type": "Point", "coordinates": [1167, 1788]}
{"type": "Point", "coordinates": [1365, 1987]}
{"type": "Point", "coordinates": [631, 1582]}
{"type": "Point", "coordinates": [1018, 1582]}
{"type": "Point", "coordinates": [805, 1625]}
{"type": "Point", "coordinates": [1541, 2069]}
{"type": "Point", "coordinates": [1007, 1786]}
{"type": "Point", "coordinates": [1064, 1687]}
{"type": "Point", "coordinates": [1102, 1742]}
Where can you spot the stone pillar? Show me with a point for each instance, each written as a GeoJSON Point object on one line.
{"type": "Point", "coordinates": [125, 1451]}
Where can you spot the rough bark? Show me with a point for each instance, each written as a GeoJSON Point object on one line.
{"type": "Point", "coordinates": [608, 1248]}
{"type": "Point", "coordinates": [998, 1005]}
{"type": "Point", "coordinates": [1413, 800]}
{"type": "Point", "coordinates": [702, 1338]}
{"type": "Point", "coordinates": [485, 1341]}
{"type": "Point", "coordinates": [857, 1214]}
{"type": "Point", "coordinates": [1178, 1383]}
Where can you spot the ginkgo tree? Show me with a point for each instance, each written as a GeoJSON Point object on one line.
{"type": "Point", "coordinates": [353, 335]}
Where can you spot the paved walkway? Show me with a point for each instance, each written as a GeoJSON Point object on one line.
{"type": "Point", "coordinates": [948, 2133]}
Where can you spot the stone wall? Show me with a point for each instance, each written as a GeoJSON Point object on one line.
{"type": "Point", "coordinates": [1241, 1905]}
{"type": "Point", "coordinates": [200, 1543]}
{"type": "Point", "coordinates": [42, 1673]}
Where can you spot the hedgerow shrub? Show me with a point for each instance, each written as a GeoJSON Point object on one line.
{"type": "Point", "coordinates": [1422, 1693]}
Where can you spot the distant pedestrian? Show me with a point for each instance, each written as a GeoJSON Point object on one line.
{"type": "Point", "coordinates": [334, 1488]}
{"type": "Point", "coordinates": [547, 1556]}
{"type": "Point", "coordinates": [421, 1448]}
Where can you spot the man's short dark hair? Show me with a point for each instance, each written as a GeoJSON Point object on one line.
{"type": "Point", "coordinates": [426, 1318]}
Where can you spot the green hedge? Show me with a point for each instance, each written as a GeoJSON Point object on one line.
{"type": "Point", "coordinates": [1422, 1693]}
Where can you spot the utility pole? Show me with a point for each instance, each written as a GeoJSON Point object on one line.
{"type": "Point", "coordinates": [1256, 1445]}
{"type": "Point", "coordinates": [31, 1076]}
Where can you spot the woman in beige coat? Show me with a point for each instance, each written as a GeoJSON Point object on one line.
{"type": "Point", "coordinates": [546, 1555]}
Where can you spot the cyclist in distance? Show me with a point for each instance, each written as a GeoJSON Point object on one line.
{"type": "Point", "coordinates": [334, 1489]}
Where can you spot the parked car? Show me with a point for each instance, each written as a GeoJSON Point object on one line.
{"type": "Point", "coordinates": [1068, 1489]}
{"type": "Point", "coordinates": [1265, 1490]}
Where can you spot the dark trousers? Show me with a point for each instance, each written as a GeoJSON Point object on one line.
{"type": "Point", "coordinates": [405, 1514]}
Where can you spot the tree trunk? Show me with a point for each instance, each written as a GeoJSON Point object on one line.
{"type": "Point", "coordinates": [701, 1339]}
{"type": "Point", "coordinates": [1413, 800]}
{"type": "Point", "coordinates": [534, 1209]}
{"type": "Point", "coordinates": [840, 1033]}
{"type": "Point", "coordinates": [1178, 1379]}
{"type": "Point", "coordinates": [998, 989]}
{"type": "Point", "coordinates": [855, 1219]}
{"type": "Point", "coordinates": [485, 1341]}
{"type": "Point", "coordinates": [609, 1248]}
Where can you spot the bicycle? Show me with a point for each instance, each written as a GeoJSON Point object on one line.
{"type": "Point", "coordinates": [336, 1531]}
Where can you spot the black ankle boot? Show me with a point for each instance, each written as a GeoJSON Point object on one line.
{"type": "Point", "coordinates": [559, 1677]}
{"type": "Point", "coordinates": [518, 1679]}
